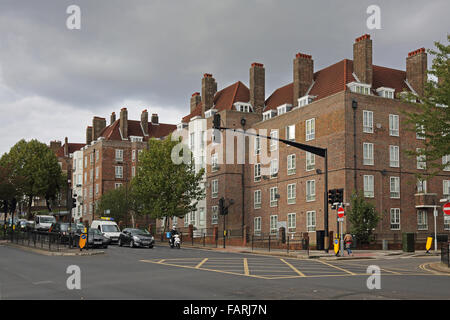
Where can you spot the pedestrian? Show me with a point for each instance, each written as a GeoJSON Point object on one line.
{"type": "Point", "coordinates": [348, 239]}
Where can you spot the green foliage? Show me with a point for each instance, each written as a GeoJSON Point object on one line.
{"type": "Point", "coordinates": [116, 201]}
{"type": "Point", "coordinates": [433, 114]}
{"type": "Point", "coordinates": [164, 188]}
{"type": "Point", "coordinates": [363, 217]}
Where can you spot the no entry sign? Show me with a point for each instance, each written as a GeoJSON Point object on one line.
{"type": "Point", "coordinates": [341, 212]}
{"type": "Point", "coordinates": [446, 208]}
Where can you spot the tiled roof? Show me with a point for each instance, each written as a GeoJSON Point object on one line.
{"type": "Point", "coordinates": [224, 99]}
{"type": "Point", "coordinates": [161, 130]}
{"type": "Point", "coordinates": [334, 78]}
{"type": "Point", "coordinates": [72, 148]}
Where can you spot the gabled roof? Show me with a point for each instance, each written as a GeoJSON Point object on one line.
{"type": "Point", "coordinates": [333, 79]}
{"type": "Point", "coordinates": [72, 148]}
{"type": "Point", "coordinates": [160, 130]}
{"type": "Point", "coordinates": [224, 99]}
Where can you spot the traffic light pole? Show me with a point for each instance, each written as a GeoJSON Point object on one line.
{"type": "Point", "coordinates": [321, 152]}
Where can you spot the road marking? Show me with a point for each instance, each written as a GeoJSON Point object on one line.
{"type": "Point", "coordinates": [246, 272]}
{"type": "Point", "coordinates": [161, 261]}
{"type": "Point", "coordinates": [42, 282]}
{"type": "Point", "coordinates": [201, 263]}
{"type": "Point", "coordinates": [293, 268]}
{"type": "Point", "coordinates": [328, 264]}
{"type": "Point", "coordinates": [382, 269]}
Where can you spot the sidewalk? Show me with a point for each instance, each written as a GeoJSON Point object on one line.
{"type": "Point", "coordinates": [67, 252]}
{"type": "Point", "coordinates": [315, 254]}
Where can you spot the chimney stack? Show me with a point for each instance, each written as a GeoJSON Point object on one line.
{"type": "Point", "coordinates": [257, 86]}
{"type": "Point", "coordinates": [113, 118]}
{"type": "Point", "coordinates": [195, 100]}
{"type": "Point", "coordinates": [144, 122]}
{"type": "Point", "coordinates": [55, 145]}
{"type": "Point", "coordinates": [124, 123]}
{"type": "Point", "coordinates": [209, 89]}
{"type": "Point", "coordinates": [155, 120]}
{"type": "Point", "coordinates": [88, 135]}
{"type": "Point", "coordinates": [66, 147]}
{"type": "Point", "coordinates": [416, 70]}
{"type": "Point", "coordinates": [303, 75]}
{"type": "Point", "coordinates": [98, 124]}
{"type": "Point", "coordinates": [362, 59]}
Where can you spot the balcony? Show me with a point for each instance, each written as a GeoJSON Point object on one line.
{"type": "Point", "coordinates": [426, 200]}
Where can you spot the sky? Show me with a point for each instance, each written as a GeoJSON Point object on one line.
{"type": "Point", "coordinates": [151, 54]}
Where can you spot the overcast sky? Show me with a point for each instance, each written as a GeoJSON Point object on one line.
{"type": "Point", "coordinates": [152, 54]}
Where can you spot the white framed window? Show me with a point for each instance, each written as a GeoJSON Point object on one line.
{"type": "Point", "coordinates": [310, 190]}
{"type": "Point", "coordinates": [420, 132]}
{"type": "Point", "coordinates": [421, 186]}
{"type": "Point", "coordinates": [422, 220]}
{"type": "Point", "coordinates": [257, 226]}
{"type": "Point", "coordinates": [214, 188]}
{"type": "Point", "coordinates": [291, 222]}
{"type": "Point", "coordinates": [290, 132]}
{"type": "Point", "coordinates": [273, 142]}
{"type": "Point", "coordinates": [446, 188]}
{"type": "Point", "coordinates": [201, 217]}
{"type": "Point", "coordinates": [273, 168]}
{"type": "Point", "coordinates": [273, 196]}
{"type": "Point", "coordinates": [446, 162]}
{"type": "Point", "coordinates": [133, 155]}
{"type": "Point", "coordinates": [310, 161]}
{"type": "Point", "coordinates": [395, 218]}
{"type": "Point", "coordinates": [446, 222]}
{"type": "Point", "coordinates": [85, 162]}
{"type": "Point", "coordinates": [310, 221]}
{"type": "Point", "coordinates": [257, 172]}
{"type": "Point", "coordinates": [97, 155]}
{"type": "Point", "coordinates": [393, 125]}
{"type": "Point", "coordinates": [91, 175]}
{"type": "Point", "coordinates": [133, 171]}
{"type": "Point", "coordinates": [394, 156]}
{"type": "Point", "coordinates": [257, 145]}
{"type": "Point", "coordinates": [367, 121]}
{"type": "Point", "coordinates": [192, 141]}
{"type": "Point", "coordinates": [369, 186]}
{"type": "Point", "coordinates": [119, 155]}
{"type": "Point", "coordinates": [273, 224]}
{"type": "Point", "coordinates": [119, 172]}
{"type": "Point", "coordinates": [136, 139]}
{"type": "Point", "coordinates": [214, 214]}
{"type": "Point", "coordinates": [96, 188]}
{"type": "Point", "coordinates": [421, 160]}
{"type": "Point", "coordinates": [85, 177]}
{"type": "Point", "coordinates": [214, 162]}
{"type": "Point", "coordinates": [291, 164]}
{"type": "Point", "coordinates": [257, 199]}
{"type": "Point", "coordinates": [310, 125]}
{"type": "Point", "coordinates": [117, 185]}
{"type": "Point", "coordinates": [368, 154]}
{"type": "Point", "coordinates": [395, 187]}
{"type": "Point", "coordinates": [193, 218]}
{"type": "Point", "coordinates": [96, 172]}
{"type": "Point", "coordinates": [291, 193]}
{"type": "Point", "coordinates": [91, 158]}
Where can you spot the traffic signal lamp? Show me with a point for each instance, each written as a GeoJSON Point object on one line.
{"type": "Point", "coordinates": [221, 206]}
{"type": "Point", "coordinates": [74, 203]}
{"type": "Point", "coordinates": [340, 195]}
{"type": "Point", "coordinates": [332, 196]}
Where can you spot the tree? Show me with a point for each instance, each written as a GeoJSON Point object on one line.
{"type": "Point", "coordinates": [38, 165]}
{"type": "Point", "coordinates": [363, 217]}
{"type": "Point", "coordinates": [164, 188]}
{"type": "Point", "coordinates": [431, 115]}
{"type": "Point", "coordinates": [114, 201]}
{"type": "Point", "coordinates": [9, 188]}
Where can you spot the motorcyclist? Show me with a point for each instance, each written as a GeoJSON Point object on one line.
{"type": "Point", "coordinates": [173, 232]}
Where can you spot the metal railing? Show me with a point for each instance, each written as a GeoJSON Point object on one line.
{"type": "Point", "coordinates": [280, 242]}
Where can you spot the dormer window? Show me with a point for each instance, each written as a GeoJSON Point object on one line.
{"type": "Point", "coordinates": [210, 113]}
{"type": "Point", "coordinates": [284, 108]}
{"type": "Point", "coordinates": [181, 126]}
{"type": "Point", "coordinates": [243, 107]}
{"type": "Point", "coordinates": [303, 101]}
{"type": "Point", "coordinates": [386, 92]}
{"type": "Point", "coordinates": [136, 139]}
{"type": "Point", "coordinates": [269, 114]}
{"type": "Point", "coordinates": [358, 87]}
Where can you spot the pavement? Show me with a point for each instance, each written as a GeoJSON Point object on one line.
{"type": "Point", "coordinates": [316, 254]}
{"type": "Point", "coordinates": [66, 252]}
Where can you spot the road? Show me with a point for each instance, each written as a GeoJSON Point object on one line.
{"type": "Point", "coordinates": [197, 274]}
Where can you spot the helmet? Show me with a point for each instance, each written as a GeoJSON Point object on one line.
{"type": "Point", "coordinates": [173, 228]}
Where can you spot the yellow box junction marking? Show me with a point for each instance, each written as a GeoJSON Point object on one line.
{"type": "Point", "coordinates": [201, 263]}
{"type": "Point", "coordinates": [336, 267]}
{"type": "Point", "coordinates": [293, 268]}
{"type": "Point", "coordinates": [246, 272]}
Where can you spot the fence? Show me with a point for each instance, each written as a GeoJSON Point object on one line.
{"type": "Point", "coordinates": [49, 241]}
{"type": "Point", "coordinates": [394, 240]}
{"type": "Point", "coordinates": [445, 256]}
{"type": "Point", "coordinates": [280, 242]}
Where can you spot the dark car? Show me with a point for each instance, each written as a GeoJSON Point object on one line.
{"type": "Point", "coordinates": [95, 239]}
{"type": "Point", "coordinates": [65, 230]}
{"type": "Point", "coordinates": [136, 238]}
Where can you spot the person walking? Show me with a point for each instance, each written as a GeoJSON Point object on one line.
{"type": "Point", "coordinates": [348, 240]}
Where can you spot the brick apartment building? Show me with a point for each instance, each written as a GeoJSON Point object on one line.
{"type": "Point", "coordinates": [353, 109]}
{"type": "Point", "coordinates": [111, 153]}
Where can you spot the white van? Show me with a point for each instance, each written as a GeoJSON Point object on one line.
{"type": "Point", "coordinates": [43, 223]}
{"type": "Point", "coordinates": [108, 228]}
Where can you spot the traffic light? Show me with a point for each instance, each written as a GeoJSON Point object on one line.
{"type": "Point", "coordinates": [216, 121]}
{"type": "Point", "coordinates": [332, 196]}
{"type": "Point", "coordinates": [74, 203]}
{"type": "Point", "coordinates": [340, 195]}
{"type": "Point", "coordinates": [222, 206]}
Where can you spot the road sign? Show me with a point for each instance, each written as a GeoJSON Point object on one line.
{"type": "Point", "coordinates": [446, 208]}
{"type": "Point", "coordinates": [82, 241]}
{"type": "Point", "coordinates": [341, 212]}
{"type": "Point", "coordinates": [341, 219]}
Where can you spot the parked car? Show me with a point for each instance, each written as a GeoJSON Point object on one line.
{"type": "Point", "coordinates": [62, 228]}
{"type": "Point", "coordinates": [108, 228]}
{"type": "Point", "coordinates": [136, 238]}
{"type": "Point", "coordinates": [95, 239]}
{"type": "Point", "coordinates": [43, 223]}
{"type": "Point", "coordinates": [21, 224]}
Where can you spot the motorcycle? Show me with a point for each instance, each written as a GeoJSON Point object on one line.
{"type": "Point", "coordinates": [175, 241]}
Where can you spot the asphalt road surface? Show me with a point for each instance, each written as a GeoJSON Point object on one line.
{"type": "Point", "coordinates": [197, 274]}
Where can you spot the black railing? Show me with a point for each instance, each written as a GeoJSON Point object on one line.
{"type": "Point", "coordinates": [49, 241]}
{"type": "Point", "coordinates": [445, 257]}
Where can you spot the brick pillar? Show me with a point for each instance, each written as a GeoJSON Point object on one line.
{"type": "Point", "coordinates": [257, 87]}
{"type": "Point", "coordinates": [303, 75]}
{"type": "Point", "coordinates": [416, 70]}
{"type": "Point", "coordinates": [362, 59]}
